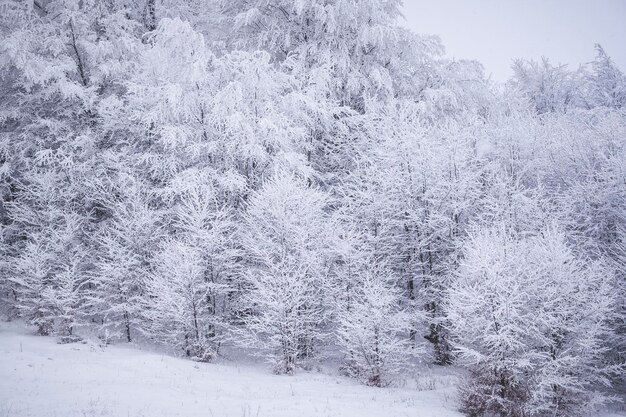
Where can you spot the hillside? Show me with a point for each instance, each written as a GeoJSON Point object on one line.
{"type": "Point", "coordinates": [41, 378]}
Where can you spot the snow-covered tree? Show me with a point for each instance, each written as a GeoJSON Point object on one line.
{"type": "Point", "coordinates": [48, 278]}
{"type": "Point", "coordinates": [186, 302]}
{"type": "Point", "coordinates": [607, 83]}
{"type": "Point", "coordinates": [546, 87]}
{"type": "Point", "coordinates": [177, 305]}
{"type": "Point", "coordinates": [284, 237]}
{"type": "Point", "coordinates": [413, 190]}
{"type": "Point", "coordinates": [125, 242]}
{"type": "Point", "coordinates": [68, 298]}
{"type": "Point", "coordinates": [31, 287]}
{"type": "Point", "coordinates": [531, 322]}
{"type": "Point", "coordinates": [46, 264]}
{"type": "Point", "coordinates": [372, 328]}
{"type": "Point", "coordinates": [61, 59]}
{"type": "Point", "coordinates": [358, 45]}
{"type": "Point", "coordinates": [618, 354]}
{"type": "Point", "coordinates": [235, 114]}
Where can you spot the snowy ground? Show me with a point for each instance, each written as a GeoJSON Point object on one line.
{"type": "Point", "coordinates": [41, 378]}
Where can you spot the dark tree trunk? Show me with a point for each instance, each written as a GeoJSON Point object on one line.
{"type": "Point", "coordinates": [127, 325]}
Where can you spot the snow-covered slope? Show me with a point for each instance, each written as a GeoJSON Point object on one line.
{"type": "Point", "coordinates": [41, 378]}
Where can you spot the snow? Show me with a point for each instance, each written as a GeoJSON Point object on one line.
{"type": "Point", "coordinates": [39, 377]}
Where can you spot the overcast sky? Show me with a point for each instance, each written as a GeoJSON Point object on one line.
{"type": "Point", "coordinates": [496, 31]}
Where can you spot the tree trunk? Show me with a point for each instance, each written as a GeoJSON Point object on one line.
{"type": "Point", "coordinates": [127, 325]}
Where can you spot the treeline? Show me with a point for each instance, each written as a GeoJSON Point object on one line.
{"type": "Point", "coordinates": [291, 175]}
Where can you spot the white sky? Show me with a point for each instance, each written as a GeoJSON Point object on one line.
{"type": "Point", "coordinates": [495, 32]}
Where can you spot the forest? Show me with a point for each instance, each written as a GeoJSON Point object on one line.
{"type": "Point", "coordinates": [308, 179]}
